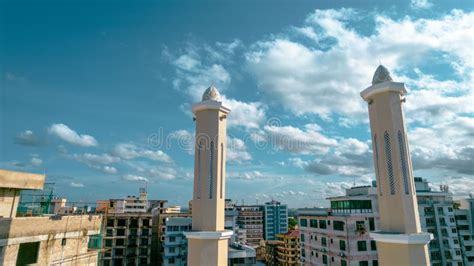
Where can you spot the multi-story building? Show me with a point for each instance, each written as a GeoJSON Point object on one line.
{"type": "Point", "coordinates": [42, 240]}
{"type": "Point", "coordinates": [250, 219]}
{"type": "Point", "coordinates": [127, 239]}
{"type": "Point", "coordinates": [175, 244]}
{"type": "Point", "coordinates": [288, 250]}
{"type": "Point", "coordinates": [163, 219]}
{"type": "Point", "coordinates": [340, 235]}
{"type": "Point", "coordinates": [241, 255]}
{"type": "Point", "coordinates": [130, 230]}
{"type": "Point", "coordinates": [230, 223]}
{"type": "Point", "coordinates": [437, 216]}
{"type": "Point", "coordinates": [464, 214]}
{"type": "Point", "coordinates": [275, 219]}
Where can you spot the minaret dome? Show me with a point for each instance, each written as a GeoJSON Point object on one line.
{"type": "Point", "coordinates": [211, 94]}
{"type": "Point", "coordinates": [381, 75]}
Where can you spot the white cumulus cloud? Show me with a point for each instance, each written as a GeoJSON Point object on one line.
{"type": "Point", "coordinates": [63, 132]}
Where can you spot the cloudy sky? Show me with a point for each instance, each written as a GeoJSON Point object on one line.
{"type": "Point", "coordinates": [97, 95]}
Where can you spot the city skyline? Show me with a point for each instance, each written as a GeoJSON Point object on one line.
{"type": "Point", "coordinates": [101, 102]}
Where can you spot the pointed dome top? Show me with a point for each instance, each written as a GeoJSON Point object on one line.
{"type": "Point", "coordinates": [211, 94]}
{"type": "Point", "coordinates": [381, 75]}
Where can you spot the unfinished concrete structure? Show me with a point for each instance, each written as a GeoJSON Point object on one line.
{"type": "Point", "coordinates": [42, 240]}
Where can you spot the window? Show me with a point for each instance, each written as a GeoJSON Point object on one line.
{"type": "Point", "coordinates": [119, 242]}
{"type": "Point", "coordinates": [388, 158]}
{"type": "Point", "coordinates": [360, 225]}
{"type": "Point", "coordinates": [338, 225]}
{"type": "Point", "coordinates": [343, 263]}
{"type": "Point", "coordinates": [322, 224]}
{"type": "Point", "coordinates": [371, 224]}
{"type": "Point", "coordinates": [145, 231]}
{"type": "Point", "coordinates": [325, 259]}
{"type": "Point", "coordinates": [363, 263]}
{"type": "Point", "coordinates": [171, 249]}
{"type": "Point", "coordinates": [303, 222]}
{"type": "Point", "coordinates": [361, 245]}
{"type": "Point", "coordinates": [171, 260]}
{"type": "Point", "coordinates": [450, 209]}
{"type": "Point", "coordinates": [373, 245]}
{"type": "Point", "coordinates": [375, 263]}
{"type": "Point", "coordinates": [121, 222]}
{"type": "Point", "coordinates": [133, 222]}
{"type": "Point", "coordinates": [313, 223]}
{"type": "Point", "coordinates": [172, 238]}
{"type": "Point", "coordinates": [403, 161]}
{"type": "Point", "coordinates": [110, 232]}
{"type": "Point", "coordinates": [323, 241]}
{"type": "Point", "coordinates": [454, 231]}
{"type": "Point", "coordinates": [28, 253]}
{"type": "Point", "coordinates": [146, 222]}
{"type": "Point", "coordinates": [458, 252]}
{"type": "Point", "coordinates": [342, 245]}
{"type": "Point", "coordinates": [118, 251]}
{"type": "Point", "coordinates": [108, 243]}
{"type": "Point", "coordinates": [110, 222]}
{"type": "Point", "coordinates": [120, 232]}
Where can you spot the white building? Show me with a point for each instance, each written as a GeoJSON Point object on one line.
{"type": "Point", "coordinates": [465, 224]}
{"type": "Point", "coordinates": [340, 235]}
{"type": "Point", "coordinates": [437, 216]}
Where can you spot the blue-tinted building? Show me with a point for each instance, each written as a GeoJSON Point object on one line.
{"type": "Point", "coordinates": [275, 219]}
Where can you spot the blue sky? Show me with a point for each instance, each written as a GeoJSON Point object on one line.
{"type": "Point", "coordinates": [97, 94]}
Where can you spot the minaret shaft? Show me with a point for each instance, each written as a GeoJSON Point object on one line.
{"type": "Point", "coordinates": [400, 240]}
{"type": "Point", "coordinates": [208, 241]}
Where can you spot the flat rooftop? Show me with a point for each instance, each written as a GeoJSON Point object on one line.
{"type": "Point", "coordinates": [21, 180]}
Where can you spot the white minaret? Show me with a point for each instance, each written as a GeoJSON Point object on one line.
{"type": "Point", "coordinates": [207, 243]}
{"type": "Point", "coordinates": [400, 241]}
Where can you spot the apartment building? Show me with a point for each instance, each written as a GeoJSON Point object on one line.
{"type": "Point", "coordinates": [175, 244]}
{"type": "Point", "coordinates": [165, 220]}
{"type": "Point", "coordinates": [127, 239]}
{"type": "Point", "coordinates": [175, 249]}
{"type": "Point", "coordinates": [283, 251]}
{"type": "Point", "coordinates": [42, 239]}
{"type": "Point", "coordinates": [464, 214]}
{"type": "Point", "coordinates": [250, 219]}
{"type": "Point", "coordinates": [339, 235]}
{"type": "Point", "coordinates": [437, 216]}
{"type": "Point", "coordinates": [275, 219]}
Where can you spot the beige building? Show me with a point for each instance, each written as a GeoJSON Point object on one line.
{"type": "Point", "coordinates": [340, 235]}
{"type": "Point", "coordinates": [208, 242]}
{"type": "Point", "coordinates": [42, 240]}
{"type": "Point", "coordinates": [400, 241]}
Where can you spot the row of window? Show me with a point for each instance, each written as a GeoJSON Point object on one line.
{"type": "Point", "coordinates": [134, 222]}
{"type": "Point", "coordinates": [343, 262]}
{"type": "Point", "coordinates": [337, 225]}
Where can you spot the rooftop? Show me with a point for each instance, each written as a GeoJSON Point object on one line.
{"type": "Point", "coordinates": [21, 180]}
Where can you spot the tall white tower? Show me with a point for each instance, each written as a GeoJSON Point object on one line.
{"type": "Point", "coordinates": [400, 241]}
{"type": "Point", "coordinates": [208, 242]}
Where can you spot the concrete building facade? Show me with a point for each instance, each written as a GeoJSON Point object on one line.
{"type": "Point", "coordinates": [275, 219]}
{"type": "Point", "coordinates": [42, 240]}
{"type": "Point", "coordinates": [250, 218]}
{"type": "Point", "coordinates": [127, 239]}
{"type": "Point", "coordinates": [175, 244]}
{"type": "Point", "coordinates": [400, 240]}
{"type": "Point", "coordinates": [340, 235]}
